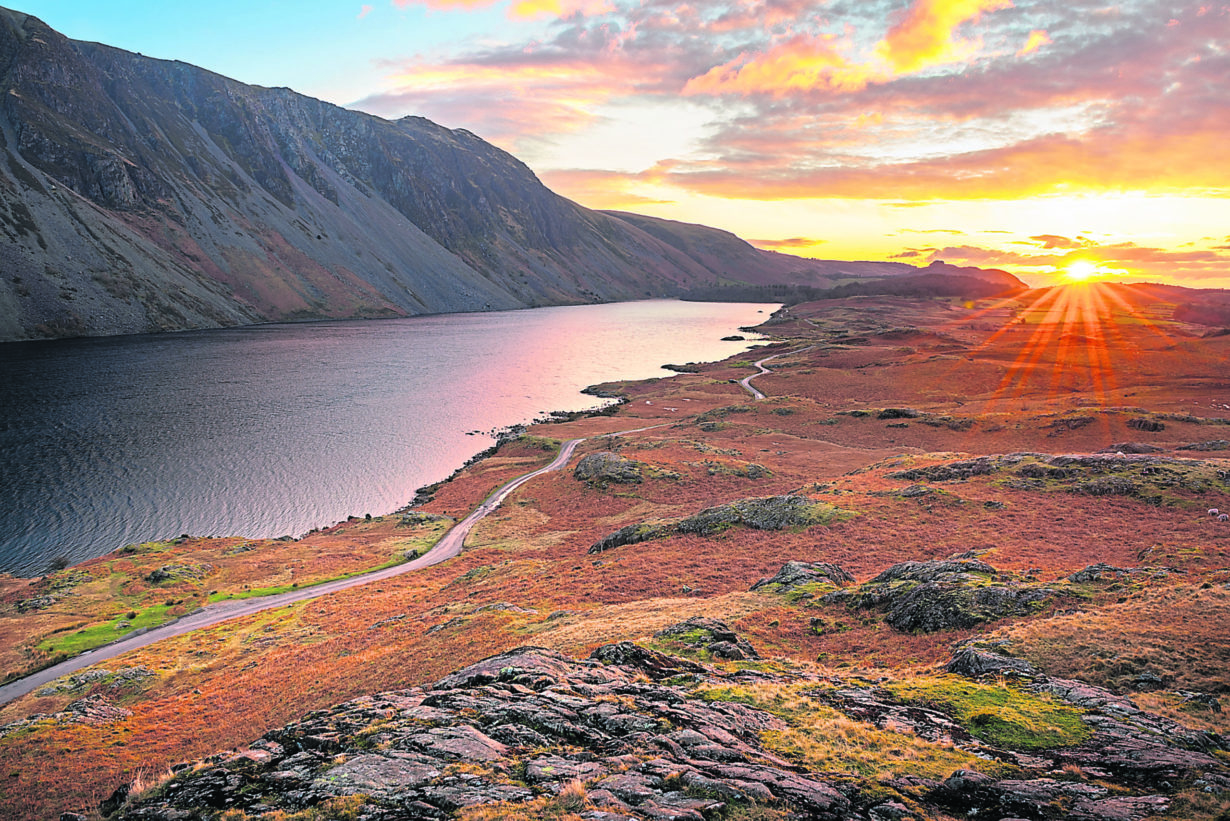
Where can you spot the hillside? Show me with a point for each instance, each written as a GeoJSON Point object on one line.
{"type": "Point", "coordinates": [965, 560]}
{"type": "Point", "coordinates": [142, 195]}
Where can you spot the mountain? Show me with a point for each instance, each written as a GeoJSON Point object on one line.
{"type": "Point", "coordinates": [143, 195]}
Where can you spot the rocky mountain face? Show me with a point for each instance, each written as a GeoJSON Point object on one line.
{"type": "Point", "coordinates": [142, 195]}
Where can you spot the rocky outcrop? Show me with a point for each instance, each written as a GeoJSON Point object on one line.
{"type": "Point", "coordinates": [520, 725]}
{"type": "Point", "coordinates": [972, 662]}
{"type": "Point", "coordinates": [943, 595]}
{"type": "Point", "coordinates": [795, 575]}
{"type": "Point", "coordinates": [1118, 473]}
{"type": "Point", "coordinates": [632, 733]}
{"type": "Point", "coordinates": [710, 635]}
{"type": "Point", "coordinates": [601, 468]}
{"type": "Point", "coordinates": [765, 513]}
{"type": "Point", "coordinates": [179, 572]}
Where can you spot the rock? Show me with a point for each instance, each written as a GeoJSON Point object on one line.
{"type": "Point", "coordinates": [1141, 423]}
{"type": "Point", "coordinates": [531, 721]}
{"type": "Point", "coordinates": [794, 575]}
{"type": "Point", "coordinates": [650, 662]}
{"type": "Point", "coordinates": [712, 635]}
{"type": "Point", "coordinates": [96, 710]}
{"type": "Point", "coordinates": [1215, 444]}
{"type": "Point", "coordinates": [604, 467]}
{"type": "Point", "coordinates": [110, 805]}
{"type": "Point", "coordinates": [765, 513]}
{"type": "Point", "coordinates": [1131, 447]}
{"type": "Point", "coordinates": [898, 413]}
{"type": "Point", "coordinates": [179, 572]}
{"type": "Point", "coordinates": [1097, 572]}
{"type": "Point", "coordinates": [36, 603]}
{"type": "Point", "coordinates": [942, 595]}
{"type": "Point", "coordinates": [379, 776]}
{"type": "Point", "coordinates": [974, 663]}
{"type": "Point", "coordinates": [633, 534]}
{"type": "Point", "coordinates": [734, 338]}
{"type": "Point", "coordinates": [952, 471]}
{"type": "Point", "coordinates": [417, 518]}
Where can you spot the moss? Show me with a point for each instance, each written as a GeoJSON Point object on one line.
{"type": "Point", "coordinates": [1002, 715]}
{"type": "Point", "coordinates": [819, 737]}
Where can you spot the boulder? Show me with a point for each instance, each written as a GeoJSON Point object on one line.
{"type": "Point", "coordinates": [764, 513]}
{"type": "Point", "coordinates": [601, 468]}
{"type": "Point", "coordinates": [709, 634]}
{"type": "Point", "coordinates": [974, 663]}
{"type": "Point", "coordinates": [794, 575]}
{"type": "Point", "coordinates": [942, 595]}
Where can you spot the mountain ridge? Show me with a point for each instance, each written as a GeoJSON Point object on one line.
{"type": "Point", "coordinates": [140, 195]}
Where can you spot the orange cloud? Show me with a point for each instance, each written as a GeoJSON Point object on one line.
{"type": "Point", "coordinates": [1097, 161]}
{"type": "Point", "coordinates": [519, 9]}
{"type": "Point", "coordinates": [609, 190]}
{"type": "Point", "coordinates": [790, 243]}
{"type": "Point", "coordinates": [802, 63]}
{"type": "Point", "coordinates": [926, 35]}
{"type": "Point", "coordinates": [1037, 39]}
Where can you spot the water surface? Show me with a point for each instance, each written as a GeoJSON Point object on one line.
{"type": "Point", "coordinates": [277, 429]}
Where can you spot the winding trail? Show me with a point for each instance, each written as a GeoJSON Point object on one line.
{"type": "Point", "coordinates": [450, 545]}
{"type": "Point", "coordinates": [746, 382]}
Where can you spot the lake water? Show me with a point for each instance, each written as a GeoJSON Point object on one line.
{"type": "Point", "coordinates": [276, 429]}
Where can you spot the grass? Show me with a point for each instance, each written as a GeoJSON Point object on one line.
{"type": "Point", "coordinates": [96, 635]}
{"type": "Point", "coordinates": [255, 592]}
{"type": "Point", "coordinates": [821, 738]}
{"type": "Point", "coordinates": [1002, 715]}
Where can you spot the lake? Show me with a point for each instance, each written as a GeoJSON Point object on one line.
{"type": "Point", "coordinates": [276, 429]}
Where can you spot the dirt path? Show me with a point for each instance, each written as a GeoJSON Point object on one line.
{"type": "Point", "coordinates": [746, 382]}
{"type": "Point", "coordinates": [448, 547]}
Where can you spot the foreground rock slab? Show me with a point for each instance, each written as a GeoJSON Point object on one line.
{"type": "Point", "coordinates": [628, 734]}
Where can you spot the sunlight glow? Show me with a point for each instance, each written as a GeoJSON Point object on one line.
{"type": "Point", "coordinates": [1082, 270]}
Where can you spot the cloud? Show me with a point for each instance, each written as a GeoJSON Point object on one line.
{"type": "Point", "coordinates": [790, 242]}
{"type": "Point", "coordinates": [608, 190]}
{"type": "Point", "coordinates": [801, 63]}
{"type": "Point", "coordinates": [364, 10]}
{"type": "Point", "coordinates": [1054, 241]}
{"type": "Point", "coordinates": [518, 9]}
{"type": "Point", "coordinates": [925, 35]}
{"type": "Point", "coordinates": [1037, 39]}
{"type": "Point", "coordinates": [1126, 257]}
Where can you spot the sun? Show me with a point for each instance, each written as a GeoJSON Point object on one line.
{"type": "Point", "coordinates": [1082, 270]}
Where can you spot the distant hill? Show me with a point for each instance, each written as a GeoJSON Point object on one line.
{"type": "Point", "coordinates": [143, 195]}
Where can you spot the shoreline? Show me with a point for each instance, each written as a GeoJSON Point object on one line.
{"type": "Point", "coordinates": [35, 548]}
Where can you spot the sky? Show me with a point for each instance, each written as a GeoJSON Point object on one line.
{"type": "Point", "coordinates": [1037, 136]}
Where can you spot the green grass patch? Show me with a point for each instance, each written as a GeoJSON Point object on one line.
{"type": "Point", "coordinates": [96, 635]}
{"type": "Point", "coordinates": [1002, 715]}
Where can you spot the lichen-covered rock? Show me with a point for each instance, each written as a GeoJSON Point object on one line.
{"type": "Point", "coordinates": [765, 513]}
{"type": "Point", "coordinates": [1214, 444]}
{"type": "Point", "coordinates": [528, 723]}
{"type": "Point", "coordinates": [601, 468]}
{"type": "Point", "coordinates": [794, 575]}
{"type": "Point", "coordinates": [512, 727]}
{"type": "Point", "coordinates": [1131, 447]}
{"type": "Point", "coordinates": [974, 663]}
{"type": "Point", "coordinates": [713, 635]}
{"type": "Point", "coordinates": [179, 572]}
{"type": "Point", "coordinates": [943, 595]}
{"type": "Point", "coordinates": [633, 534]}
{"type": "Point", "coordinates": [1101, 570]}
